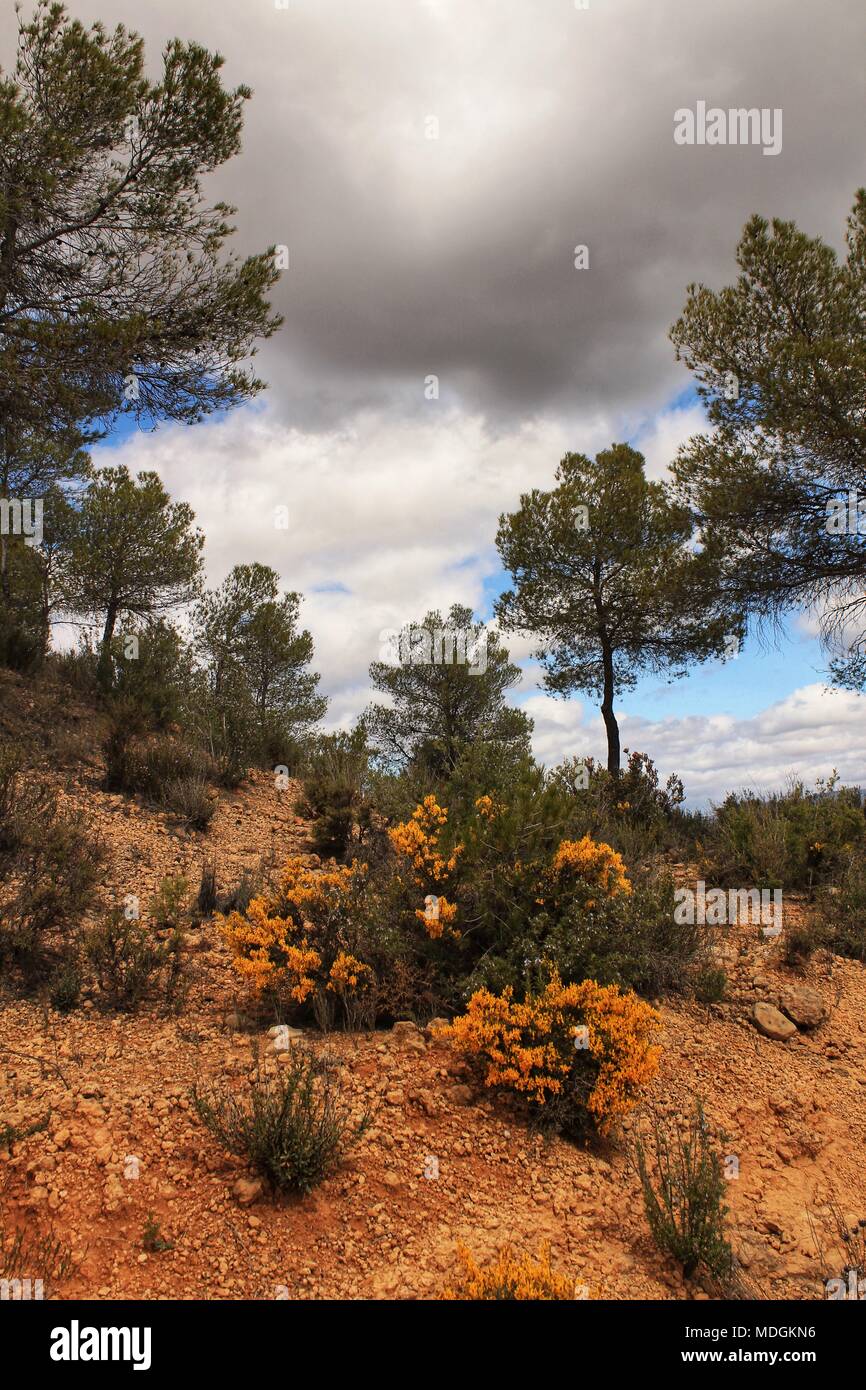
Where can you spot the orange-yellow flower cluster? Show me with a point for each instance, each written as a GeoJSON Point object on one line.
{"type": "Point", "coordinates": [595, 863]}
{"type": "Point", "coordinates": [438, 917]}
{"type": "Point", "coordinates": [515, 1277]}
{"type": "Point", "coordinates": [418, 841]}
{"type": "Point", "coordinates": [348, 973]}
{"type": "Point", "coordinates": [280, 941]}
{"type": "Point", "coordinates": [535, 1047]}
{"type": "Point", "coordinates": [309, 895]}
{"type": "Point", "coordinates": [268, 951]}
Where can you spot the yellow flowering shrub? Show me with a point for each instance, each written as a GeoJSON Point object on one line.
{"type": "Point", "coordinates": [269, 952]}
{"type": "Point", "coordinates": [438, 916]}
{"type": "Point", "coordinates": [353, 983]}
{"type": "Point", "coordinates": [592, 862]}
{"type": "Point", "coordinates": [513, 1276]}
{"type": "Point", "coordinates": [313, 895]}
{"type": "Point", "coordinates": [580, 1052]}
{"type": "Point", "coordinates": [348, 973]}
{"type": "Point", "coordinates": [417, 842]}
{"type": "Point", "coordinates": [290, 941]}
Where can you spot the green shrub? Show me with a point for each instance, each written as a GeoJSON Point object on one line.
{"type": "Point", "coordinates": [803, 939]}
{"type": "Point", "coordinates": [170, 903]}
{"type": "Point", "coordinates": [24, 1254]}
{"type": "Point", "coordinates": [278, 746]}
{"type": "Point", "coordinates": [65, 984]}
{"type": "Point", "coordinates": [77, 668]}
{"type": "Point", "coordinates": [207, 897]}
{"type": "Point", "coordinates": [683, 1182]}
{"type": "Point", "coordinates": [161, 760]}
{"type": "Point", "coordinates": [159, 767]}
{"type": "Point", "coordinates": [191, 799]}
{"type": "Point", "coordinates": [124, 958]}
{"type": "Point", "coordinates": [291, 1128]}
{"type": "Point", "coordinates": [226, 728]}
{"type": "Point", "coordinates": [26, 801]}
{"type": "Point", "coordinates": [631, 941]}
{"type": "Point", "coordinates": [844, 912]}
{"type": "Point", "coordinates": [158, 680]}
{"type": "Point", "coordinates": [508, 911]}
{"type": "Point", "coordinates": [710, 985]}
{"type": "Point", "coordinates": [336, 793]}
{"type": "Point", "coordinates": [796, 839]}
{"type": "Point", "coordinates": [49, 869]}
{"type": "Point", "coordinates": [125, 723]}
{"type": "Point", "coordinates": [22, 648]}
{"type": "Point", "coordinates": [632, 812]}
{"type": "Point", "coordinates": [152, 1239]}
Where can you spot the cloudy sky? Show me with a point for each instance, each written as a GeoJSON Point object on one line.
{"type": "Point", "coordinates": [431, 166]}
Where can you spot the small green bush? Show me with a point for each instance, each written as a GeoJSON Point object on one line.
{"type": "Point", "coordinates": [160, 767]}
{"type": "Point", "coordinates": [796, 839]}
{"type": "Point", "coordinates": [49, 869]}
{"type": "Point", "coordinates": [803, 939]}
{"type": "Point", "coordinates": [25, 801]}
{"type": "Point", "coordinates": [844, 912]}
{"type": "Point", "coordinates": [65, 984]}
{"type": "Point", "coordinates": [24, 1254]}
{"type": "Point", "coordinates": [336, 793]}
{"type": "Point", "coordinates": [710, 985]}
{"type": "Point", "coordinates": [76, 669]}
{"type": "Point", "coordinates": [161, 761]}
{"type": "Point", "coordinates": [22, 648]}
{"type": "Point", "coordinates": [169, 905]}
{"type": "Point", "coordinates": [152, 1239]}
{"type": "Point", "coordinates": [124, 958]}
{"type": "Point", "coordinates": [631, 941]}
{"type": "Point", "coordinates": [682, 1177]}
{"type": "Point", "coordinates": [207, 896]}
{"type": "Point", "coordinates": [190, 797]}
{"type": "Point", "coordinates": [292, 1128]}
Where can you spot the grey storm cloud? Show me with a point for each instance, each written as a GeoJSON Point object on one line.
{"type": "Point", "coordinates": [454, 256]}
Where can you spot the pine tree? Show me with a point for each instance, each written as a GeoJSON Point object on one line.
{"type": "Point", "coordinates": [780, 360]}
{"type": "Point", "coordinates": [603, 574]}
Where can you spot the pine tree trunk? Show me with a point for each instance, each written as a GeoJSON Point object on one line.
{"type": "Point", "coordinates": [103, 670]}
{"type": "Point", "coordinates": [607, 714]}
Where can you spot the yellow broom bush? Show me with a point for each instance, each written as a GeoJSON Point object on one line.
{"type": "Point", "coordinates": [578, 1054]}
{"type": "Point", "coordinates": [293, 941]}
{"type": "Point", "coordinates": [593, 863]}
{"type": "Point", "coordinates": [513, 1276]}
{"type": "Point", "coordinates": [417, 843]}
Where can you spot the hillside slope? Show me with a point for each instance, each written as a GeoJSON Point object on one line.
{"type": "Point", "coordinates": [116, 1089]}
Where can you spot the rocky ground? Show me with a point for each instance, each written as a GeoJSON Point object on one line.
{"type": "Point", "coordinates": [440, 1163]}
